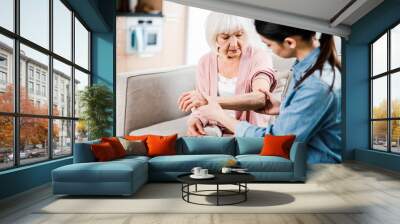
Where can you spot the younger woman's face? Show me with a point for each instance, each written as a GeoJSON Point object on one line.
{"type": "Point", "coordinates": [286, 49]}
{"type": "Point", "coordinates": [231, 44]}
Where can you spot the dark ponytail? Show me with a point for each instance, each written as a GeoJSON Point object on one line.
{"type": "Point", "coordinates": [279, 33]}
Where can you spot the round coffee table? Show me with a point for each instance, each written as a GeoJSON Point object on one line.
{"type": "Point", "coordinates": [238, 179]}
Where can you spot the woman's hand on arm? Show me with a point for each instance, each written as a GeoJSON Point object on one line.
{"type": "Point", "coordinates": [272, 105]}
{"type": "Point", "coordinates": [213, 111]}
{"type": "Point", "coordinates": [195, 127]}
{"type": "Point", "coordinates": [191, 99]}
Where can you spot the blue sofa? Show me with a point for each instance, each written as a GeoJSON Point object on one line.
{"type": "Point", "coordinates": [125, 176]}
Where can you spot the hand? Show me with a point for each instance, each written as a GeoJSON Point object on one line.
{"type": "Point", "coordinates": [195, 127]}
{"type": "Point", "coordinates": [191, 99]}
{"type": "Point", "coordinates": [272, 105]}
{"type": "Point", "coordinates": [211, 111]}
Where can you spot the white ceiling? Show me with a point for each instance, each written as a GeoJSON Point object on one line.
{"type": "Point", "coordinates": [318, 15]}
{"type": "Point", "coordinates": [321, 9]}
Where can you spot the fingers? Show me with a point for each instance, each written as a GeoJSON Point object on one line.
{"type": "Point", "coordinates": [190, 106]}
{"type": "Point", "coordinates": [200, 128]}
{"type": "Point", "coordinates": [192, 131]}
{"type": "Point", "coordinates": [184, 101]}
{"type": "Point", "coordinates": [185, 104]}
{"type": "Point", "coordinates": [266, 92]}
{"type": "Point", "coordinates": [182, 96]}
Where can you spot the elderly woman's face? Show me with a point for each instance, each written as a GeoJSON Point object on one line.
{"type": "Point", "coordinates": [231, 44]}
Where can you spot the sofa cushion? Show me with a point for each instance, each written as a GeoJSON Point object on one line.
{"type": "Point", "coordinates": [164, 128]}
{"type": "Point", "coordinates": [116, 145]}
{"type": "Point", "coordinates": [185, 163]}
{"type": "Point", "coordinates": [206, 145]}
{"type": "Point", "coordinates": [277, 145]}
{"type": "Point", "coordinates": [111, 171]}
{"type": "Point", "coordinates": [161, 145]}
{"type": "Point", "coordinates": [257, 163]}
{"type": "Point", "coordinates": [103, 152]}
{"type": "Point", "coordinates": [249, 145]}
{"type": "Point", "coordinates": [136, 147]}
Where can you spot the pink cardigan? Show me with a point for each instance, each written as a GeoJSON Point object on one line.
{"type": "Point", "coordinates": [254, 64]}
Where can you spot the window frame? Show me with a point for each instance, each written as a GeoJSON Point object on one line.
{"type": "Point", "coordinates": [16, 114]}
{"type": "Point", "coordinates": [388, 74]}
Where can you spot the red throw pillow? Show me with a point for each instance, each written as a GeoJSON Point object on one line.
{"type": "Point", "coordinates": [136, 137]}
{"type": "Point", "coordinates": [103, 152]}
{"type": "Point", "coordinates": [116, 145]}
{"type": "Point", "coordinates": [161, 145]}
{"type": "Point", "coordinates": [277, 145]}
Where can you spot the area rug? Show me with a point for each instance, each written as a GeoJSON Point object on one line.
{"type": "Point", "coordinates": [166, 198]}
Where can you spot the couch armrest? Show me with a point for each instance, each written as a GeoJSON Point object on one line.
{"type": "Point", "coordinates": [83, 152]}
{"type": "Point", "coordinates": [298, 155]}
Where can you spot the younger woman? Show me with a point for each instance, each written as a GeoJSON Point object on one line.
{"type": "Point", "coordinates": [311, 108]}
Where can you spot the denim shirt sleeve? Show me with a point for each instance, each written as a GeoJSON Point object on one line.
{"type": "Point", "coordinates": [299, 115]}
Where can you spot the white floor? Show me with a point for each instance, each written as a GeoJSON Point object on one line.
{"type": "Point", "coordinates": [377, 189]}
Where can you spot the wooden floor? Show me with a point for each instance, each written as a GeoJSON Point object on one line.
{"type": "Point", "coordinates": [378, 188]}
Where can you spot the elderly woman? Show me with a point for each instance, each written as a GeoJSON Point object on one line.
{"type": "Point", "coordinates": [233, 72]}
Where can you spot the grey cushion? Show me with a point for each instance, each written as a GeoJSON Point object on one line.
{"type": "Point", "coordinates": [164, 128]}
{"type": "Point", "coordinates": [152, 98]}
{"type": "Point", "coordinates": [134, 147]}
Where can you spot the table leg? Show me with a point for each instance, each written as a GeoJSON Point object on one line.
{"type": "Point", "coordinates": [196, 187]}
{"type": "Point", "coordinates": [217, 194]}
{"type": "Point", "coordinates": [245, 193]}
{"type": "Point", "coordinates": [188, 190]}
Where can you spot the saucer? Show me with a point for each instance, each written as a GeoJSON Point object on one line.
{"type": "Point", "coordinates": [208, 176]}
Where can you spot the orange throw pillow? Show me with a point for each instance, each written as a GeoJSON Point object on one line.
{"type": "Point", "coordinates": [116, 145]}
{"type": "Point", "coordinates": [161, 145]}
{"type": "Point", "coordinates": [277, 145]}
{"type": "Point", "coordinates": [136, 137]}
{"type": "Point", "coordinates": [103, 152]}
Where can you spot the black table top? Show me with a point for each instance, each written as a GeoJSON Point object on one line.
{"type": "Point", "coordinates": [220, 178]}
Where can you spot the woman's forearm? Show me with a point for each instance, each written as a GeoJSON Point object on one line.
{"type": "Point", "coordinates": [249, 101]}
{"type": "Point", "coordinates": [228, 122]}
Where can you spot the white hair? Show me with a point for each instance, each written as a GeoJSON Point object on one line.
{"type": "Point", "coordinates": [217, 23]}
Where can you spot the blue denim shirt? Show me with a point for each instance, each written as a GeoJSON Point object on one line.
{"type": "Point", "coordinates": [311, 111]}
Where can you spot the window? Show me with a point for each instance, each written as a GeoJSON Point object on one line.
{"type": "Point", "coordinates": [62, 74]}
{"type": "Point", "coordinates": [62, 31]}
{"type": "Point", "coordinates": [7, 14]}
{"type": "Point", "coordinates": [30, 72]}
{"type": "Point", "coordinates": [44, 91]}
{"type": "Point", "coordinates": [6, 142]}
{"type": "Point", "coordinates": [3, 78]}
{"type": "Point", "coordinates": [35, 22]}
{"type": "Point", "coordinates": [385, 96]}
{"type": "Point", "coordinates": [46, 74]}
{"type": "Point", "coordinates": [81, 81]}
{"type": "Point", "coordinates": [6, 73]}
{"type": "Point", "coordinates": [3, 61]}
{"type": "Point", "coordinates": [81, 45]}
{"type": "Point", "coordinates": [38, 89]}
{"type": "Point", "coordinates": [37, 75]}
{"type": "Point", "coordinates": [62, 137]}
{"type": "Point", "coordinates": [30, 87]}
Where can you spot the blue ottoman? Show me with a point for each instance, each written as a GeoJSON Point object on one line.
{"type": "Point", "coordinates": [118, 177]}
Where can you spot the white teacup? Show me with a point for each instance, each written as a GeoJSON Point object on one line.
{"type": "Point", "coordinates": [196, 170]}
{"type": "Point", "coordinates": [203, 172]}
{"type": "Point", "coordinates": [226, 170]}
